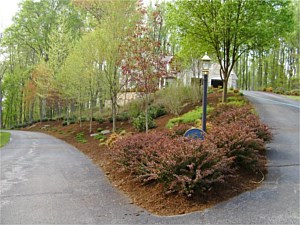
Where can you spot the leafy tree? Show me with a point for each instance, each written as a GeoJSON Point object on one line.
{"type": "Point", "coordinates": [38, 38]}
{"type": "Point", "coordinates": [115, 20]}
{"type": "Point", "coordinates": [230, 28]}
{"type": "Point", "coordinates": [144, 62]}
{"type": "Point", "coordinates": [35, 21]}
{"type": "Point", "coordinates": [3, 68]}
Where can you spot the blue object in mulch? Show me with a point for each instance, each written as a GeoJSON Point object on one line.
{"type": "Point", "coordinates": [195, 133]}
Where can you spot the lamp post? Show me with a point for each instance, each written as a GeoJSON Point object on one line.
{"type": "Point", "coordinates": [205, 70]}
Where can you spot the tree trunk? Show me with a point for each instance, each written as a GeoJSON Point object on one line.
{"type": "Point", "coordinates": [80, 115]}
{"type": "Point", "coordinates": [21, 106]}
{"type": "Point", "coordinates": [101, 104]}
{"type": "Point", "coordinates": [67, 112]}
{"type": "Point", "coordinates": [260, 70]}
{"type": "Point", "coordinates": [224, 97]}
{"type": "Point", "coordinates": [253, 73]}
{"type": "Point", "coordinates": [274, 70]}
{"type": "Point", "coordinates": [247, 72]}
{"type": "Point", "coordinates": [266, 73]}
{"type": "Point", "coordinates": [146, 113]}
{"type": "Point", "coordinates": [31, 112]}
{"type": "Point", "coordinates": [91, 119]}
{"type": "Point", "coordinates": [114, 112]}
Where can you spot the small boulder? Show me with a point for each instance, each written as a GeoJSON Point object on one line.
{"type": "Point", "coordinates": [105, 132]}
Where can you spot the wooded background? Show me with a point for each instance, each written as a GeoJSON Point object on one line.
{"type": "Point", "coordinates": [66, 58]}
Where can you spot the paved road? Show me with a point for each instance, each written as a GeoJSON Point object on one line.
{"type": "Point", "coordinates": [46, 181]}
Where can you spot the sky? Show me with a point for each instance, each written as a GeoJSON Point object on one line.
{"type": "Point", "coordinates": [8, 9]}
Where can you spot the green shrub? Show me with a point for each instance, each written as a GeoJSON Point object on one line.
{"type": "Point", "coordinates": [295, 92]}
{"type": "Point", "coordinates": [100, 120]}
{"type": "Point", "coordinates": [269, 89]}
{"type": "Point", "coordinates": [99, 129]}
{"type": "Point", "coordinates": [71, 121]}
{"type": "Point", "coordinates": [156, 111]}
{"type": "Point", "coordinates": [134, 108]}
{"type": "Point", "coordinates": [279, 90]}
{"type": "Point", "coordinates": [80, 138]}
{"type": "Point", "coordinates": [124, 116]}
{"type": "Point", "coordinates": [140, 122]}
{"type": "Point", "coordinates": [100, 137]}
{"type": "Point", "coordinates": [236, 91]}
{"type": "Point", "coordinates": [210, 90]}
{"type": "Point", "coordinates": [83, 119]}
{"type": "Point", "coordinates": [59, 118]}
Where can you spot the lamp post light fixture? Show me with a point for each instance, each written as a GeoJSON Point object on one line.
{"type": "Point", "coordinates": [205, 71]}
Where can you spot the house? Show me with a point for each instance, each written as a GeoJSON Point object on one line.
{"type": "Point", "coordinates": [214, 78]}
{"type": "Point", "coordinates": [170, 77]}
{"type": "Point", "coordinates": [194, 76]}
{"type": "Point", "coordinates": [189, 76]}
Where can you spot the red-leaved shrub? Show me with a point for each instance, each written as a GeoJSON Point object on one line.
{"type": "Point", "coordinates": [243, 116]}
{"type": "Point", "coordinates": [186, 165]}
{"type": "Point", "coordinates": [239, 141]}
{"type": "Point", "coordinates": [181, 164]}
{"type": "Point", "coordinates": [181, 128]}
{"type": "Point", "coordinates": [240, 133]}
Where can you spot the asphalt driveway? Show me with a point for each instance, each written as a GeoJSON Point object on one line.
{"type": "Point", "coordinates": [46, 181]}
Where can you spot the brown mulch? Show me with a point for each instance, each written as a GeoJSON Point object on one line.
{"type": "Point", "coordinates": [151, 197]}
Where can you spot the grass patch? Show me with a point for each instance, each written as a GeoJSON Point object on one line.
{"type": "Point", "coordinates": [236, 101]}
{"type": "Point", "coordinates": [4, 138]}
{"type": "Point", "coordinates": [189, 117]}
{"type": "Point", "coordinates": [293, 97]}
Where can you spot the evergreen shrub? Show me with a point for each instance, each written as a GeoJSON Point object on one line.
{"type": "Point", "coordinates": [140, 122]}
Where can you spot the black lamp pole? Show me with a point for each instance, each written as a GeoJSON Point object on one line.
{"type": "Point", "coordinates": [205, 71]}
{"type": "Point", "coordinates": [204, 102]}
